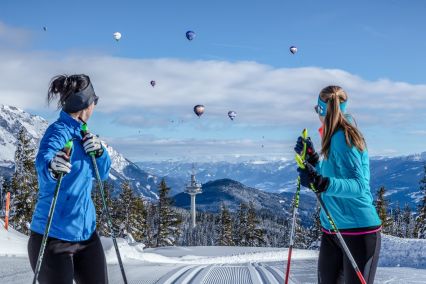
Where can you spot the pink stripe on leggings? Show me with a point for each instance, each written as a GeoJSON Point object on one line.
{"type": "Point", "coordinates": [352, 233]}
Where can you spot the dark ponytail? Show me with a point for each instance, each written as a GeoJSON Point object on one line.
{"type": "Point", "coordinates": [64, 86]}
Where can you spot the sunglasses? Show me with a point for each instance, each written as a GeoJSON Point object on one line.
{"type": "Point", "coordinates": [316, 109]}
{"type": "Point", "coordinates": [96, 100]}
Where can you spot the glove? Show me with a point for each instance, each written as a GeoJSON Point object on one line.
{"type": "Point", "coordinates": [91, 143]}
{"type": "Point", "coordinates": [311, 156]}
{"type": "Point", "coordinates": [60, 164]}
{"type": "Point", "coordinates": [309, 176]}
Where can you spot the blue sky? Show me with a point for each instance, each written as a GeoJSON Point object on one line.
{"type": "Point", "coordinates": [238, 61]}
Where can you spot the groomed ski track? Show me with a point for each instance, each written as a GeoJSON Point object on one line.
{"type": "Point", "coordinates": [16, 270]}
{"type": "Point", "coordinates": [250, 273]}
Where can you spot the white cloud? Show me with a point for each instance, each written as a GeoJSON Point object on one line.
{"type": "Point", "coordinates": [267, 100]}
{"type": "Point", "coordinates": [260, 94]}
{"type": "Point", "coordinates": [144, 148]}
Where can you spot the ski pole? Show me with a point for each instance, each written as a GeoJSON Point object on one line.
{"type": "Point", "coordinates": [300, 162]}
{"type": "Point", "coordinates": [67, 150]}
{"type": "Point", "coordinates": [84, 130]}
{"type": "Point", "coordinates": [295, 209]}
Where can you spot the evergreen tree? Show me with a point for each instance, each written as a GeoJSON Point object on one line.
{"type": "Point", "coordinates": [24, 183]}
{"type": "Point", "coordinates": [241, 233]}
{"type": "Point", "coordinates": [101, 222]}
{"type": "Point", "coordinates": [168, 221]}
{"type": "Point", "coordinates": [137, 219]}
{"type": "Point", "coordinates": [314, 231]}
{"type": "Point", "coordinates": [381, 207]}
{"type": "Point", "coordinates": [398, 223]}
{"type": "Point", "coordinates": [420, 227]}
{"type": "Point", "coordinates": [151, 225]}
{"type": "Point", "coordinates": [225, 227]}
{"type": "Point", "coordinates": [408, 222]}
{"type": "Point", "coordinates": [123, 209]}
{"type": "Point", "coordinates": [255, 235]}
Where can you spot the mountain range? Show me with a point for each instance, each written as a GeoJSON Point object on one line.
{"type": "Point", "coordinates": [269, 184]}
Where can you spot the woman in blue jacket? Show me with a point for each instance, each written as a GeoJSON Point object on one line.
{"type": "Point", "coordinates": [343, 178]}
{"type": "Point", "coordinates": [74, 250]}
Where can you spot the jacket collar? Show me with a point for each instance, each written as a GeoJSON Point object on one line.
{"type": "Point", "coordinates": [70, 121]}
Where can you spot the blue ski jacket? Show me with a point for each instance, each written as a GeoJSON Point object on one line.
{"type": "Point", "coordinates": [348, 196]}
{"type": "Point", "coordinates": [74, 218]}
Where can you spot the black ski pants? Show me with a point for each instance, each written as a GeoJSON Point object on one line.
{"type": "Point", "coordinates": [334, 266]}
{"type": "Point", "coordinates": [64, 261]}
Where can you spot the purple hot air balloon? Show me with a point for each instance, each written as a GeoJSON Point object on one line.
{"type": "Point", "coordinates": [153, 83]}
{"type": "Point", "coordinates": [190, 35]}
{"type": "Point", "coordinates": [232, 114]}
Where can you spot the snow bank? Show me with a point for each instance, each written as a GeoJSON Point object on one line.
{"type": "Point", "coordinates": [402, 252]}
{"type": "Point", "coordinates": [12, 243]}
{"type": "Point", "coordinates": [395, 252]}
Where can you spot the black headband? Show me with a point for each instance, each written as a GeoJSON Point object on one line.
{"type": "Point", "coordinates": [80, 100]}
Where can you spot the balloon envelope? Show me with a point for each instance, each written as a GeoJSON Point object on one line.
{"type": "Point", "coordinates": [117, 36]}
{"type": "Point", "coordinates": [190, 35]}
{"type": "Point", "coordinates": [293, 49]}
{"type": "Point", "coordinates": [199, 110]}
{"type": "Point", "coordinates": [153, 83]}
{"type": "Point", "coordinates": [232, 114]}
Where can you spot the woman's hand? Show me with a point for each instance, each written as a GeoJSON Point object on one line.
{"type": "Point", "coordinates": [309, 176]}
{"type": "Point", "coordinates": [60, 164]}
{"type": "Point", "coordinates": [91, 143]}
{"type": "Point", "coordinates": [311, 156]}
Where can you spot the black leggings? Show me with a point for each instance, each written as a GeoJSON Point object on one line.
{"type": "Point", "coordinates": [335, 267]}
{"type": "Point", "coordinates": [64, 261]}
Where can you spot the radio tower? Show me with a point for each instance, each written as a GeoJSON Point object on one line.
{"type": "Point", "coordinates": [193, 188]}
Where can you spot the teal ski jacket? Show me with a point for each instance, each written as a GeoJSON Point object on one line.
{"type": "Point", "coordinates": [348, 196]}
{"type": "Point", "coordinates": [74, 218]}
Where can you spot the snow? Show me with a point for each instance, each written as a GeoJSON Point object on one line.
{"type": "Point", "coordinates": [12, 243]}
{"type": "Point", "coordinates": [401, 261]}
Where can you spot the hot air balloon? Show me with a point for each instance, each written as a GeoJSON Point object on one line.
{"type": "Point", "coordinates": [44, 29]}
{"type": "Point", "coordinates": [232, 114]}
{"type": "Point", "coordinates": [117, 36]}
{"type": "Point", "coordinates": [153, 83]}
{"type": "Point", "coordinates": [199, 110]}
{"type": "Point", "coordinates": [190, 35]}
{"type": "Point", "coordinates": [293, 49]}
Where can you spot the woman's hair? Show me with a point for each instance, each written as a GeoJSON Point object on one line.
{"type": "Point", "coordinates": [63, 86]}
{"type": "Point", "coordinates": [335, 120]}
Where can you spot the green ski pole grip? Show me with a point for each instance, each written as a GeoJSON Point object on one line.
{"type": "Point", "coordinates": [68, 147]}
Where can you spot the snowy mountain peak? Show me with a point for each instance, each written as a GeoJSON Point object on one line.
{"type": "Point", "coordinates": [13, 118]}
{"type": "Point", "coordinates": [11, 121]}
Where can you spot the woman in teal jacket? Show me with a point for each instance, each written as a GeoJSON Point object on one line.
{"type": "Point", "coordinates": [74, 250]}
{"type": "Point", "coordinates": [343, 178]}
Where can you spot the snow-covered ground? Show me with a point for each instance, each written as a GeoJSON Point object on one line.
{"type": "Point", "coordinates": [402, 261]}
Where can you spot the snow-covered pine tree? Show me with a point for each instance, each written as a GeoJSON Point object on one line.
{"type": "Point", "coordinates": [24, 183]}
{"type": "Point", "coordinates": [123, 209]}
{"type": "Point", "coordinates": [254, 234]}
{"type": "Point", "coordinates": [101, 223]}
{"type": "Point", "coordinates": [241, 225]}
{"type": "Point", "coordinates": [152, 222]}
{"type": "Point", "coordinates": [397, 222]}
{"type": "Point", "coordinates": [225, 227]}
{"type": "Point", "coordinates": [168, 225]}
{"type": "Point", "coordinates": [2, 195]}
{"type": "Point", "coordinates": [381, 207]}
{"type": "Point", "coordinates": [408, 221]}
{"type": "Point", "coordinates": [420, 228]}
{"type": "Point", "coordinates": [314, 231]}
{"type": "Point", "coordinates": [138, 219]}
